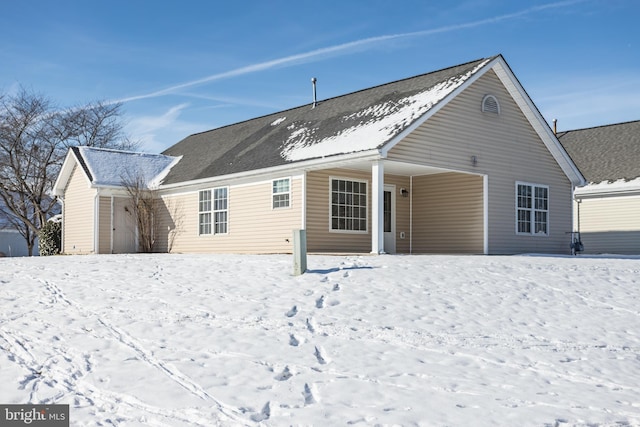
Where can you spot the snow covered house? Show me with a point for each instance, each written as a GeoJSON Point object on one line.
{"type": "Point", "coordinates": [606, 210]}
{"type": "Point", "coordinates": [454, 161]}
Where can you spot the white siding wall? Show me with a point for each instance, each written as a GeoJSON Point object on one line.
{"type": "Point", "coordinates": [78, 215]}
{"type": "Point", "coordinates": [507, 150]}
{"type": "Point", "coordinates": [610, 225]}
{"type": "Point", "coordinates": [254, 226]}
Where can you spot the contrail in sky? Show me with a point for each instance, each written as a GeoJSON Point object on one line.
{"type": "Point", "coordinates": [343, 48]}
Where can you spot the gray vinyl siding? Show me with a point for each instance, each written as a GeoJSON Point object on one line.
{"type": "Point", "coordinates": [507, 150]}
{"type": "Point", "coordinates": [78, 215]}
{"type": "Point", "coordinates": [448, 214]}
{"type": "Point", "coordinates": [610, 225]}
{"type": "Point", "coordinates": [320, 238]}
{"type": "Point", "coordinates": [253, 225]}
{"type": "Point", "coordinates": [104, 225]}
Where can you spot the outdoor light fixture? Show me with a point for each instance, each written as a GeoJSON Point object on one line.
{"type": "Point", "coordinates": [474, 161]}
{"type": "Point", "coordinates": [404, 192]}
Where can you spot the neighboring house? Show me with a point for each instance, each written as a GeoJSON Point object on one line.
{"type": "Point", "coordinates": [454, 161]}
{"type": "Point", "coordinates": [607, 209]}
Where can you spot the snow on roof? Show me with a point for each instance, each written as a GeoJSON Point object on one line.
{"type": "Point", "coordinates": [112, 167]}
{"type": "Point", "coordinates": [378, 123]}
{"type": "Point", "coordinates": [610, 187]}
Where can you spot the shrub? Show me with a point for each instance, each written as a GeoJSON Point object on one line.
{"type": "Point", "coordinates": [50, 238]}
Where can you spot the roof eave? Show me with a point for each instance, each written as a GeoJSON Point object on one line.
{"type": "Point", "coordinates": [293, 167]}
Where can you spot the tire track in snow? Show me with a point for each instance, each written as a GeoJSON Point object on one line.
{"type": "Point", "coordinates": [124, 338]}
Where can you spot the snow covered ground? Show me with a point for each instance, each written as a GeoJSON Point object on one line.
{"type": "Point", "coordinates": [202, 340]}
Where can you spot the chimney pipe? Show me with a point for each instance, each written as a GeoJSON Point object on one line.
{"type": "Point", "coordinates": [315, 100]}
{"type": "Point", "coordinates": [555, 126]}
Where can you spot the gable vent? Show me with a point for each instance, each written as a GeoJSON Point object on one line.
{"type": "Point", "coordinates": [490, 104]}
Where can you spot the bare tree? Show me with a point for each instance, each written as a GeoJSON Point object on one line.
{"type": "Point", "coordinates": [145, 210]}
{"type": "Point", "coordinates": [34, 139]}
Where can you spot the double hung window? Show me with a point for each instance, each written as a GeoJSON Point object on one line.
{"type": "Point", "coordinates": [213, 211]}
{"type": "Point", "coordinates": [532, 209]}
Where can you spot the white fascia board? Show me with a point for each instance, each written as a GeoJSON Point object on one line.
{"type": "Point", "coordinates": [536, 120]}
{"type": "Point", "coordinates": [288, 169]}
{"type": "Point", "coordinates": [433, 110]}
{"type": "Point", "coordinates": [65, 173]}
{"type": "Point", "coordinates": [630, 188]}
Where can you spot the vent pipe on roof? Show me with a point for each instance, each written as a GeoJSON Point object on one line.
{"type": "Point", "coordinates": [315, 100]}
{"type": "Point", "coordinates": [555, 126]}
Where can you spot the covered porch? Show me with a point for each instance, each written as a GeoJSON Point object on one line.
{"type": "Point", "coordinates": [409, 209]}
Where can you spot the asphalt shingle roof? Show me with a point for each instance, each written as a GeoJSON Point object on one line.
{"type": "Point", "coordinates": [335, 125]}
{"type": "Point", "coordinates": [605, 153]}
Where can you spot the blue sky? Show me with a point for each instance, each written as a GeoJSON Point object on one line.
{"type": "Point", "coordinates": [190, 66]}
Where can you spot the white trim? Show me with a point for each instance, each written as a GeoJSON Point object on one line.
{"type": "Point", "coordinates": [289, 193]}
{"type": "Point", "coordinates": [295, 168]}
{"type": "Point", "coordinates": [342, 178]}
{"type": "Point", "coordinates": [533, 209]}
{"type": "Point", "coordinates": [485, 213]}
{"type": "Point", "coordinates": [112, 224]}
{"type": "Point", "coordinates": [536, 120]}
{"type": "Point", "coordinates": [411, 214]}
{"type": "Point", "coordinates": [391, 188]}
{"type": "Point", "coordinates": [377, 207]}
{"type": "Point", "coordinates": [96, 222]}
{"type": "Point", "coordinates": [303, 201]}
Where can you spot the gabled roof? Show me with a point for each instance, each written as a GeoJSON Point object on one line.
{"type": "Point", "coordinates": [109, 168]}
{"type": "Point", "coordinates": [357, 122]}
{"type": "Point", "coordinates": [605, 153]}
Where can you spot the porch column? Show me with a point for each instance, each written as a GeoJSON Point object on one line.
{"type": "Point", "coordinates": [377, 207]}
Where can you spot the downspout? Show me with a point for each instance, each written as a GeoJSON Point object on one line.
{"type": "Point", "coordinates": [111, 227]}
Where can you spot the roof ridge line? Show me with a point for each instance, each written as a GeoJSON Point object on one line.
{"type": "Point", "coordinates": [490, 58]}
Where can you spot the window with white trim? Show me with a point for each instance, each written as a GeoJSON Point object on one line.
{"type": "Point", "coordinates": [213, 211]}
{"type": "Point", "coordinates": [204, 212]}
{"type": "Point", "coordinates": [281, 193]}
{"type": "Point", "coordinates": [532, 209]}
{"type": "Point", "coordinates": [220, 210]}
{"type": "Point", "coordinates": [348, 205]}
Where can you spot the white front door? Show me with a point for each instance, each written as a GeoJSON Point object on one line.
{"type": "Point", "coordinates": [389, 219]}
{"type": "Point", "coordinates": [124, 227]}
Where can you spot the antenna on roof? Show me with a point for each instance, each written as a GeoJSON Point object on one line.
{"type": "Point", "coordinates": [315, 100]}
{"type": "Point", "coordinates": [555, 126]}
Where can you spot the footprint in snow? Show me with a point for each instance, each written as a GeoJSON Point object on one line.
{"type": "Point", "coordinates": [292, 312]}
{"type": "Point", "coordinates": [321, 356]}
{"type": "Point", "coordinates": [284, 375]}
{"type": "Point", "coordinates": [320, 302]}
{"type": "Point", "coordinates": [336, 287]}
{"type": "Point", "coordinates": [309, 395]}
{"type": "Point", "coordinates": [264, 414]}
{"type": "Point", "coordinates": [311, 325]}
{"type": "Point", "coordinates": [294, 341]}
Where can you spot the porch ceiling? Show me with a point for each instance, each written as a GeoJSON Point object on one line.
{"type": "Point", "coordinates": [401, 168]}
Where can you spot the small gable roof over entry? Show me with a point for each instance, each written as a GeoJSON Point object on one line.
{"type": "Point", "coordinates": [360, 121]}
